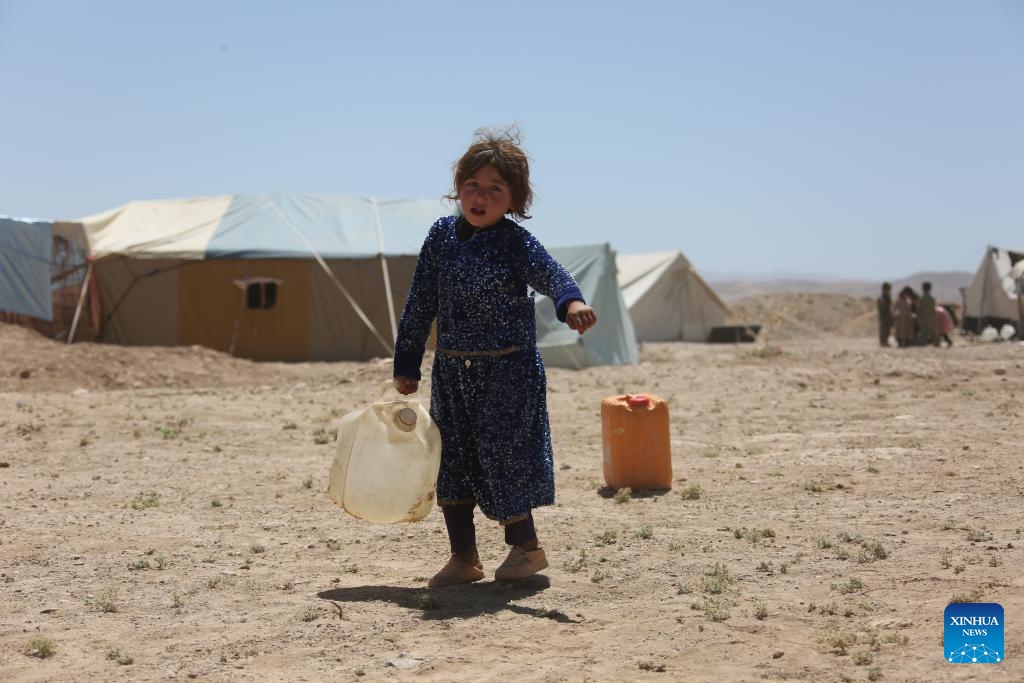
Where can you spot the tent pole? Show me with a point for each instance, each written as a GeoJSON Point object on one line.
{"type": "Point", "coordinates": [384, 269]}
{"type": "Point", "coordinates": [81, 302]}
{"type": "Point", "coordinates": [989, 259]}
{"type": "Point", "coordinates": [1019, 286]}
{"type": "Point", "coordinates": [241, 312]}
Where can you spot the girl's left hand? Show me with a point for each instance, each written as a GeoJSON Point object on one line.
{"type": "Point", "coordinates": [580, 317]}
{"type": "Point", "coordinates": [405, 386]}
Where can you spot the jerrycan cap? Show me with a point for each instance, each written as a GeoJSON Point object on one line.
{"type": "Point", "coordinates": [637, 400]}
{"type": "Point", "coordinates": [405, 418]}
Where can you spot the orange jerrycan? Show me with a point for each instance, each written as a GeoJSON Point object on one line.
{"type": "Point", "coordinates": [635, 436]}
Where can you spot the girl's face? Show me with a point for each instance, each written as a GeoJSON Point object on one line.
{"type": "Point", "coordinates": [485, 197]}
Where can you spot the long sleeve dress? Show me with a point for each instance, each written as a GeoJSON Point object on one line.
{"type": "Point", "coordinates": [488, 389]}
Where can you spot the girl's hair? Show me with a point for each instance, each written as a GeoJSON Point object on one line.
{"type": "Point", "coordinates": [501, 148]}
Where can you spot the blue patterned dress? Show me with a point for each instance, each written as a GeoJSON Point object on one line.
{"type": "Point", "coordinates": [488, 391]}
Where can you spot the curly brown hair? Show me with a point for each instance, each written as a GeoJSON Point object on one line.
{"type": "Point", "coordinates": [500, 147]}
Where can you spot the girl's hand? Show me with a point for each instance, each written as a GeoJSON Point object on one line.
{"type": "Point", "coordinates": [405, 386]}
{"type": "Point", "coordinates": [580, 317]}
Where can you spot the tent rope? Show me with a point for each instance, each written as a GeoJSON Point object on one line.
{"type": "Point", "coordinates": [384, 268]}
{"type": "Point", "coordinates": [351, 300]}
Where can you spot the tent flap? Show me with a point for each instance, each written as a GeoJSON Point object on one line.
{"type": "Point", "coordinates": [610, 342]}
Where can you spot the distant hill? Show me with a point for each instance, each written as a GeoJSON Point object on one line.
{"type": "Point", "coordinates": [807, 315]}
{"type": "Point", "coordinates": [945, 286]}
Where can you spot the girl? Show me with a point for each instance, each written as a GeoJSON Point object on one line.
{"type": "Point", "coordinates": [488, 395]}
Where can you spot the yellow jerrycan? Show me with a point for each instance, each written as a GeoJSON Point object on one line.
{"type": "Point", "coordinates": [386, 462]}
{"type": "Point", "coordinates": [636, 443]}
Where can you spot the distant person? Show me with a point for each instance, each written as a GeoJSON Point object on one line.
{"type": "Point", "coordinates": [945, 322]}
{"type": "Point", "coordinates": [926, 316]}
{"type": "Point", "coordinates": [903, 314]}
{"type": "Point", "coordinates": [488, 394]}
{"type": "Point", "coordinates": [885, 314]}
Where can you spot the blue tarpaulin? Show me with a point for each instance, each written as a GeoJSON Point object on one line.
{"type": "Point", "coordinates": [26, 250]}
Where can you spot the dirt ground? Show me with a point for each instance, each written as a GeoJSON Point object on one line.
{"type": "Point", "coordinates": [163, 517]}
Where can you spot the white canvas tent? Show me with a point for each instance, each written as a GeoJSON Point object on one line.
{"type": "Point", "coordinates": [667, 299]}
{"type": "Point", "coordinates": [268, 277]}
{"type": "Point", "coordinates": [610, 342]}
{"type": "Point", "coordinates": [993, 296]}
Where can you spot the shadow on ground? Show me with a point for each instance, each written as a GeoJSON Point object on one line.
{"type": "Point", "coordinates": [609, 492]}
{"type": "Point", "coordinates": [468, 600]}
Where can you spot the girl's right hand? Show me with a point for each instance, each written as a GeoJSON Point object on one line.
{"type": "Point", "coordinates": [405, 386]}
{"type": "Point", "coordinates": [580, 317]}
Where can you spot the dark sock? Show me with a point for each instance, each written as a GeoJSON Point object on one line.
{"type": "Point", "coordinates": [461, 530]}
{"type": "Point", "coordinates": [522, 533]}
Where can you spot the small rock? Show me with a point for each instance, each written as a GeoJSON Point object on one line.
{"type": "Point", "coordinates": [80, 392]}
{"type": "Point", "coordinates": [777, 654]}
{"type": "Point", "coordinates": [404, 661]}
{"type": "Point", "coordinates": [25, 374]}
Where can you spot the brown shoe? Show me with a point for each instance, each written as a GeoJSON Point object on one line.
{"type": "Point", "coordinates": [521, 564]}
{"type": "Point", "coordinates": [456, 571]}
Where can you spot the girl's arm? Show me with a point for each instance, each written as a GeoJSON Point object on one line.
{"type": "Point", "coordinates": [420, 311]}
{"type": "Point", "coordinates": [549, 277]}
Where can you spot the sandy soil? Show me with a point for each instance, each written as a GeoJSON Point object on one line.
{"type": "Point", "coordinates": [165, 507]}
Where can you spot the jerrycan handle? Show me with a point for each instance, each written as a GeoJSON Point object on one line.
{"type": "Point", "coordinates": [405, 417]}
{"type": "Point", "coordinates": [388, 391]}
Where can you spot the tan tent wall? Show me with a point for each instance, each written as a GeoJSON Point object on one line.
{"type": "Point", "coordinates": [312, 320]}
{"type": "Point", "coordinates": [216, 316]}
{"type": "Point", "coordinates": [140, 300]}
{"type": "Point", "coordinates": [336, 331]}
{"type": "Point", "coordinates": [142, 305]}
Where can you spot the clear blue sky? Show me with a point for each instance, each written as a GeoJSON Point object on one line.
{"type": "Point", "coordinates": [866, 138]}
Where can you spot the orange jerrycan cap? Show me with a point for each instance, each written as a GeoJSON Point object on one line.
{"type": "Point", "coordinates": [637, 401]}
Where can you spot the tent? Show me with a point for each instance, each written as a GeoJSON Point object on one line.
{"type": "Point", "coordinates": [269, 277]}
{"type": "Point", "coordinates": [993, 297]}
{"type": "Point", "coordinates": [667, 299]}
{"type": "Point", "coordinates": [610, 342]}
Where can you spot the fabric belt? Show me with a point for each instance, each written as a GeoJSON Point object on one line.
{"type": "Point", "coordinates": [477, 354]}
